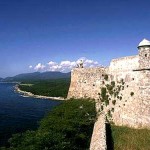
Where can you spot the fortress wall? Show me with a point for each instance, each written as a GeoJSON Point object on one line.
{"type": "Point", "coordinates": [131, 110]}
{"type": "Point", "coordinates": [144, 94]}
{"type": "Point", "coordinates": [124, 63]}
{"type": "Point", "coordinates": [85, 82]}
{"type": "Point", "coordinates": [127, 109]}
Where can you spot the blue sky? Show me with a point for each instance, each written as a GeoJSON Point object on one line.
{"type": "Point", "coordinates": [36, 32]}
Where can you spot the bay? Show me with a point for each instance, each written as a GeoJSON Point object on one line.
{"type": "Point", "coordinates": [18, 114]}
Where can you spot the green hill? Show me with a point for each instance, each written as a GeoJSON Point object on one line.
{"type": "Point", "coordinates": [37, 76]}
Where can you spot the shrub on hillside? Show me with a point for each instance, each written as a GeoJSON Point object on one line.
{"type": "Point", "coordinates": [67, 127]}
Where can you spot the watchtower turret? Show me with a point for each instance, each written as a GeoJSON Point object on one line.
{"type": "Point", "coordinates": [144, 54]}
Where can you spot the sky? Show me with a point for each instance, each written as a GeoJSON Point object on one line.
{"type": "Point", "coordinates": [52, 35]}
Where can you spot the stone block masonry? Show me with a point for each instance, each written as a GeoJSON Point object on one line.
{"type": "Point", "coordinates": [122, 90]}
{"type": "Point", "coordinates": [85, 83]}
{"type": "Point", "coordinates": [98, 141]}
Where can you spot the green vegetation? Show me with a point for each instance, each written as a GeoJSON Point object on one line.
{"type": "Point", "coordinates": [125, 138]}
{"type": "Point", "coordinates": [104, 97]}
{"type": "Point", "coordinates": [102, 107]}
{"type": "Point", "coordinates": [110, 90]}
{"type": "Point", "coordinates": [113, 102]}
{"type": "Point", "coordinates": [37, 76]}
{"type": "Point", "coordinates": [68, 126]}
{"type": "Point", "coordinates": [109, 113]}
{"type": "Point", "coordinates": [113, 83]}
{"type": "Point", "coordinates": [54, 88]}
{"type": "Point", "coordinates": [112, 109]}
{"type": "Point", "coordinates": [106, 77]}
{"type": "Point", "coordinates": [132, 93]}
{"type": "Point", "coordinates": [103, 93]}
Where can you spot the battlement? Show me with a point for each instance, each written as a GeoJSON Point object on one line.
{"type": "Point", "coordinates": [125, 63]}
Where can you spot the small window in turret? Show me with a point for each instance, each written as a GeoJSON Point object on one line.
{"type": "Point", "coordinates": [145, 55]}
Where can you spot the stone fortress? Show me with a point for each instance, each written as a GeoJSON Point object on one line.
{"type": "Point", "coordinates": [122, 90]}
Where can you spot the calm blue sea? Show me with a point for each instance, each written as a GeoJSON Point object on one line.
{"type": "Point", "coordinates": [18, 114]}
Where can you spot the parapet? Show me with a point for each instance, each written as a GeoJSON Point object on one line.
{"type": "Point", "coordinates": [124, 64]}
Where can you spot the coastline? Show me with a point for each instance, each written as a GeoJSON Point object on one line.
{"type": "Point", "coordinates": [29, 94]}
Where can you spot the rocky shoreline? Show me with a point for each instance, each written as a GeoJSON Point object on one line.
{"type": "Point", "coordinates": [29, 94]}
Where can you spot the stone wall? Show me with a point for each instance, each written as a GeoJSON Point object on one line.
{"type": "Point", "coordinates": [86, 83]}
{"type": "Point", "coordinates": [98, 141]}
{"type": "Point", "coordinates": [144, 57]}
{"type": "Point", "coordinates": [132, 106]}
{"type": "Point", "coordinates": [124, 64]}
{"type": "Point", "coordinates": [128, 102]}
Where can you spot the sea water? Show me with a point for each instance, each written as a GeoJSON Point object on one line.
{"type": "Point", "coordinates": [18, 114]}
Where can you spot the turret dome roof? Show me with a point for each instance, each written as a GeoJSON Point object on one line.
{"type": "Point", "coordinates": [144, 42]}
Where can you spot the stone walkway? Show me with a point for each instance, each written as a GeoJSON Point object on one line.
{"type": "Point", "coordinates": [98, 141]}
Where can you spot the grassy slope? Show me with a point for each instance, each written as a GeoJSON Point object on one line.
{"type": "Point", "coordinates": [130, 139]}
{"type": "Point", "coordinates": [67, 127]}
{"type": "Point", "coordinates": [54, 88]}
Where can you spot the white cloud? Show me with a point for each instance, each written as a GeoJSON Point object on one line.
{"type": "Point", "coordinates": [39, 67]}
{"type": "Point", "coordinates": [66, 65]}
{"type": "Point", "coordinates": [54, 68]}
{"type": "Point", "coordinates": [51, 63]}
{"type": "Point", "coordinates": [30, 66]}
{"type": "Point", "coordinates": [89, 63]}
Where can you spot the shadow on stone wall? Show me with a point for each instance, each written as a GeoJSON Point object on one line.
{"type": "Point", "coordinates": [109, 138]}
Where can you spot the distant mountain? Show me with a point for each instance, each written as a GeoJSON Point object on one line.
{"type": "Point", "coordinates": [37, 76]}
{"type": "Point", "coordinates": [1, 79]}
